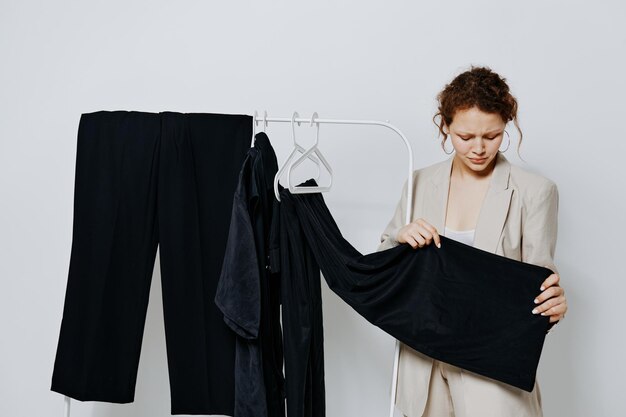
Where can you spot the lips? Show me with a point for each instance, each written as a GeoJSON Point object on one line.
{"type": "Point", "coordinates": [478, 161]}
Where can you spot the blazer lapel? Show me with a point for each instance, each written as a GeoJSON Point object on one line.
{"type": "Point", "coordinates": [435, 206]}
{"type": "Point", "coordinates": [495, 207]}
{"type": "Point", "coordinates": [493, 211]}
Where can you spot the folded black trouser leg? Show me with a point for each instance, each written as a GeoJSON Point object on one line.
{"type": "Point", "coordinates": [303, 338]}
{"type": "Point", "coordinates": [458, 304]}
{"type": "Point", "coordinates": [144, 179]}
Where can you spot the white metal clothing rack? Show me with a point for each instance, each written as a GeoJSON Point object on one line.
{"type": "Point", "coordinates": [409, 191]}
{"type": "Point", "coordinates": [294, 119]}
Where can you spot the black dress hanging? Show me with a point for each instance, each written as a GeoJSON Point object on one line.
{"type": "Point", "coordinates": [248, 292]}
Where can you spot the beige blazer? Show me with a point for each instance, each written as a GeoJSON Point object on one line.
{"type": "Point", "coordinates": [518, 219]}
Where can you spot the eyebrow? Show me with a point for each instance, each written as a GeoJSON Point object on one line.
{"type": "Point", "coordinates": [468, 133]}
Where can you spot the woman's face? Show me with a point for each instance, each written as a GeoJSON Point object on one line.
{"type": "Point", "coordinates": [476, 137]}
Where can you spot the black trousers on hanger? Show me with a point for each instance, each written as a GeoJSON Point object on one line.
{"type": "Point", "coordinates": [301, 297]}
{"type": "Point", "coordinates": [144, 179]}
{"type": "Point", "coordinates": [457, 304]}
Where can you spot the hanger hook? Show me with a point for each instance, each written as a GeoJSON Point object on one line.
{"type": "Point", "coordinates": [264, 120]}
{"type": "Point", "coordinates": [317, 124]}
{"type": "Point", "coordinates": [293, 126]}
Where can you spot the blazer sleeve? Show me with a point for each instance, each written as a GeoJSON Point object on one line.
{"type": "Point", "coordinates": [540, 227]}
{"type": "Point", "coordinates": [388, 239]}
{"type": "Point", "coordinates": [539, 230]}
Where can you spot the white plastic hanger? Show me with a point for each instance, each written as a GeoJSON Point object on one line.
{"type": "Point", "coordinates": [313, 150]}
{"type": "Point", "coordinates": [264, 120]}
{"type": "Point", "coordinates": [297, 149]}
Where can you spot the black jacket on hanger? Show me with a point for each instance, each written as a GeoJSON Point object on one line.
{"type": "Point", "coordinates": [458, 304]}
{"type": "Point", "coordinates": [248, 293]}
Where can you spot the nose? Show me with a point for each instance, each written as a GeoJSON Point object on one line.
{"type": "Point", "coordinates": [479, 146]}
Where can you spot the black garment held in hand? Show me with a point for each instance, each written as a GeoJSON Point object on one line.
{"type": "Point", "coordinates": [248, 293]}
{"type": "Point", "coordinates": [458, 304]}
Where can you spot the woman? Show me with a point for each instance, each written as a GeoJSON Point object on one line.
{"type": "Point", "coordinates": [477, 197]}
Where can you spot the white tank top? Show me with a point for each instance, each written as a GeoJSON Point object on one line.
{"type": "Point", "coordinates": [463, 236]}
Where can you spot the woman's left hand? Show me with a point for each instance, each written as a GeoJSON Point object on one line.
{"type": "Point", "coordinates": [551, 301]}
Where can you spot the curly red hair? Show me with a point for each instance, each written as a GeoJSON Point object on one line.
{"type": "Point", "coordinates": [480, 87]}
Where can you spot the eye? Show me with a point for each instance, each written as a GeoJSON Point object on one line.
{"type": "Point", "coordinates": [491, 138]}
{"type": "Point", "coordinates": [464, 138]}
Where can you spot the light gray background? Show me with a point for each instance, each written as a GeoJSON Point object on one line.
{"type": "Point", "coordinates": [564, 61]}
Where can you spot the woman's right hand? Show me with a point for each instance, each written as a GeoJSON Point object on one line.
{"type": "Point", "coordinates": [418, 234]}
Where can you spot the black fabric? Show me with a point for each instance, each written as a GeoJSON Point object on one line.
{"type": "Point", "coordinates": [144, 179]}
{"type": "Point", "coordinates": [303, 332]}
{"type": "Point", "coordinates": [458, 304]}
{"type": "Point", "coordinates": [248, 293]}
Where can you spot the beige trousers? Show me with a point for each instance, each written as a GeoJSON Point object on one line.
{"type": "Point", "coordinates": [454, 392]}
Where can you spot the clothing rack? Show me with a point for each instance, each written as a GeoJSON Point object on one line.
{"type": "Point", "coordinates": [314, 119]}
{"type": "Point", "coordinates": [265, 120]}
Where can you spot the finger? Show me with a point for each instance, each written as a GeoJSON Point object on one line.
{"type": "Point", "coordinates": [433, 232]}
{"type": "Point", "coordinates": [550, 292]}
{"type": "Point", "coordinates": [551, 280]}
{"type": "Point", "coordinates": [424, 233]}
{"type": "Point", "coordinates": [557, 309]}
{"type": "Point", "coordinates": [551, 303]}
{"type": "Point", "coordinates": [424, 228]}
{"type": "Point", "coordinates": [412, 242]}
{"type": "Point", "coordinates": [419, 239]}
{"type": "Point", "coordinates": [556, 318]}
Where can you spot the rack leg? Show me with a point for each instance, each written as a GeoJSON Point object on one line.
{"type": "Point", "coordinates": [394, 380]}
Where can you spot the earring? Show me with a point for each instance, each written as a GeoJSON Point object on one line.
{"type": "Point", "coordinates": [508, 144]}
{"type": "Point", "coordinates": [443, 146]}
